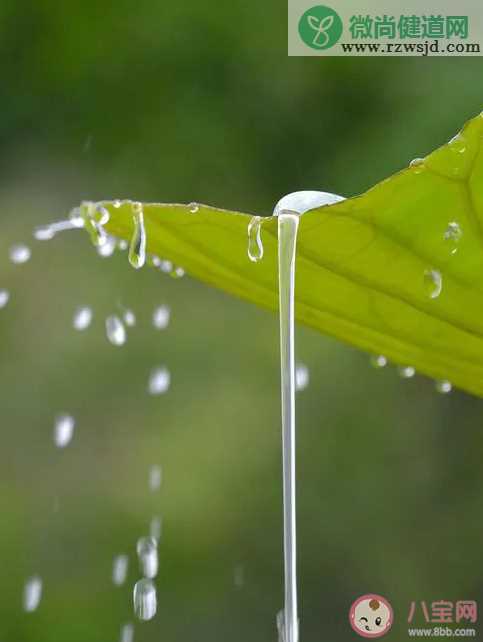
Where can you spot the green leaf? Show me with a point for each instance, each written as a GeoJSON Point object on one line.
{"type": "Point", "coordinates": [366, 267]}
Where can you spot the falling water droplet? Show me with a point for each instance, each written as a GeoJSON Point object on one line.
{"type": "Point", "coordinates": [417, 165]}
{"type": "Point", "coordinates": [119, 569]}
{"type": "Point", "coordinates": [82, 318]}
{"type": "Point", "coordinates": [129, 318]}
{"type": "Point", "coordinates": [115, 331]}
{"type": "Point", "coordinates": [155, 477]}
{"type": "Point", "coordinates": [4, 298]}
{"type": "Point", "coordinates": [302, 376]}
{"type": "Point", "coordinates": [453, 235]}
{"type": "Point", "coordinates": [159, 381]}
{"type": "Point", "coordinates": [145, 600]}
{"type": "Point", "coordinates": [63, 430]}
{"type": "Point", "coordinates": [156, 527]}
{"type": "Point", "coordinates": [147, 550]}
{"type": "Point", "coordinates": [161, 316]}
{"type": "Point", "coordinates": [433, 283]}
{"type": "Point", "coordinates": [378, 361]}
{"type": "Point", "coordinates": [193, 208]}
{"type": "Point", "coordinates": [137, 247]}
{"type": "Point", "coordinates": [443, 386]}
{"type": "Point", "coordinates": [19, 253]}
{"type": "Point", "coordinates": [127, 633]}
{"type": "Point", "coordinates": [255, 245]}
{"type": "Point", "coordinates": [406, 372]}
{"type": "Point", "coordinates": [32, 593]}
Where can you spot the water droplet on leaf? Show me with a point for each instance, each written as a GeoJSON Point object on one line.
{"type": "Point", "coordinates": [255, 246]}
{"type": "Point", "coordinates": [137, 247]}
{"type": "Point", "coordinates": [406, 372]}
{"type": "Point", "coordinates": [433, 283]}
{"type": "Point", "coordinates": [453, 235]}
{"type": "Point", "coordinates": [193, 208]}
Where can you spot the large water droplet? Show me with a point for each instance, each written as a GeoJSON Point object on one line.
{"type": "Point", "coordinates": [127, 633]}
{"type": "Point", "coordinates": [19, 253]}
{"type": "Point", "coordinates": [255, 245]}
{"type": "Point", "coordinates": [63, 430]}
{"type": "Point", "coordinates": [433, 283]}
{"type": "Point", "coordinates": [453, 235]}
{"type": "Point", "coordinates": [82, 318]}
{"type": "Point", "coordinates": [159, 381]}
{"type": "Point", "coordinates": [406, 372]}
{"type": "Point", "coordinates": [32, 593]}
{"type": "Point", "coordinates": [145, 600]}
{"type": "Point", "coordinates": [303, 201]}
{"type": "Point", "coordinates": [115, 331]}
{"type": "Point", "coordinates": [155, 477]}
{"type": "Point", "coordinates": [161, 317]}
{"type": "Point", "coordinates": [378, 361]}
{"type": "Point", "coordinates": [443, 386]}
{"type": "Point", "coordinates": [4, 298]}
{"type": "Point", "coordinates": [302, 376]}
{"type": "Point", "coordinates": [119, 569]}
{"type": "Point", "coordinates": [147, 550]}
{"type": "Point", "coordinates": [137, 247]}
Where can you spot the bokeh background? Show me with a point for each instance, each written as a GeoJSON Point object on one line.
{"type": "Point", "coordinates": [199, 102]}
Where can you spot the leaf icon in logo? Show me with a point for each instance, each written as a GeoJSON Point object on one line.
{"type": "Point", "coordinates": [321, 27]}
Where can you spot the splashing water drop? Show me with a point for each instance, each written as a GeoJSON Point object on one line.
{"type": "Point", "coordinates": [32, 593]}
{"type": "Point", "coordinates": [255, 245]}
{"type": "Point", "coordinates": [161, 316]}
{"type": "Point", "coordinates": [115, 331]}
{"type": "Point", "coordinates": [193, 208]}
{"type": "Point", "coordinates": [443, 386]}
{"type": "Point", "coordinates": [453, 235]}
{"type": "Point", "coordinates": [4, 298]}
{"type": "Point", "coordinates": [302, 377]}
{"type": "Point", "coordinates": [145, 600]}
{"type": "Point", "coordinates": [82, 318]}
{"type": "Point", "coordinates": [303, 201]}
{"type": "Point", "coordinates": [147, 550]}
{"type": "Point", "coordinates": [155, 478]}
{"type": "Point", "coordinates": [44, 233]}
{"type": "Point", "coordinates": [108, 247]}
{"type": "Point", "coordinates": [156, 528]}
{"type": "Point", "coordinates": [159, 381]}
{"type": "Point", "coordinates": [137, 247]}
{"type": "Point", "coordinates": [92, 218]}
{"type": "Point", "coordinates": [20, 253]}
{"type": "Point", "coordinates": [75, 218]}
{"type": "Point", "coordinates": [63, 430]}
{"type": "Point", "coordinates": [406, 372]}
{"type": "Point", "coordinates": [433, 283]}
{"type": "Point", "coordinates": [417, 165]}
{"type": "Point", "coordinates": [129, 318]}
{"type": "Point", "coordinates": [378, 361]}
{"type": "Point", "coordinates": [127, 633]}
{"type": "Point", "coordinates": [119, 569]}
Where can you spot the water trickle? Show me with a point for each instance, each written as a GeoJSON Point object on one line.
{"type": "Point", "coordinates": [194, 208]}
{"type": "Point", "coordinates": [433, 283]}
{"type": "Point", "coordinates": [161, 316]}
{"type": "Point", "coordinates": [302, 377]}
{"type": "Point", "coordinates": [32, 593]}
{"type": "Point", "coordinates": [156, 527]}
{"type": "Point", "coordinates": [82, 318]}
{"type": "Point", "coordinates": [443, 386]}
{"type": "Point", "coordinates": [453, 236]}
{"type": "Point", "coordinates": [145, 599]}
{"type": "Point", "coordinates": [20, 253]}
{"type": "Point", "coordinates": [378, 361]}
{"type": "Point", "coordinates": [406, 372]}
{"type": "Point", "coordinates": [63, 430]}
{"type": "Point", "coordinates": [119, 569]}
{"type": "Point", "coordinates": [417, 165]}
{"type": "Point", "coordinates": [115, 330]}
{"type": "Point", "coordinates": [147, 550]}
{"type": "Point", "coordinates": [127, 633]}
{"type": "Point", "coordinates": [137, 247]}
{"type": "Point", "coordinates": [4, 298]}
{"type": "Point", "coordinates": [159, 381]}
{"type": "Point", "coordinates": [255, 245]}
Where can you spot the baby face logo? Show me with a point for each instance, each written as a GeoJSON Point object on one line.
{"type": "Point", "coordinates": [371, 616]}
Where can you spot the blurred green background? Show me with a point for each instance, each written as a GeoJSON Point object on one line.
{"type": "Point", "coordinates": [199, 102]}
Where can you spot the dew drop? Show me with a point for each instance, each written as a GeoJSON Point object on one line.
{"type": "Point", "coordinates": [129, 318]}
{"type": "Point", "coordinates": [302, 377]}
{"type": "Point", "coordinates": [433, 283]}
{"type": "Point", "coordinates": [115, 331]}
{"type": "Point", "coordinates": [156, 527]}
{"type": "Point", "coordinates": [32, 593]}
{"type": "Point", "coordinates": [255, 245]}
{"type": "Point", "coordinates": [406, 372]}
{"type": "Point", "coordinates": [4, 298]}
{"type": "Point", "coordinates": [193, 208]}
{"type": "Point", "coordinates": [145, 600]}
{"type": "Point", "coordinates": [119, 569]}
{"type": "Point", "coordinates": [161, 316]}
{"type": "Point", "coordinates": [378, 361]}
{"type": "Point", "coordinates": [159, 381]}
{"type": "Point", "coordinates": [137, 247]}
{"type": "Point", "coordinates": [417, 165]}
{"type": "Point", "coordinates": [19, 253]}
{"type": "Point", "coordinates": [155, 478]}
{"type": "Point", "coordinates": [453, 235]}
{"type": "Point", "coordinates": [82, 318]}
{"type": "Point", "coordinates": [63, 430]}
{"type": "Point", "coordinates": [443, 386]}
{"type": "Point", "coordinates": [127, 633]}
{"type": "Point", "coordinates": [147, 550]}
